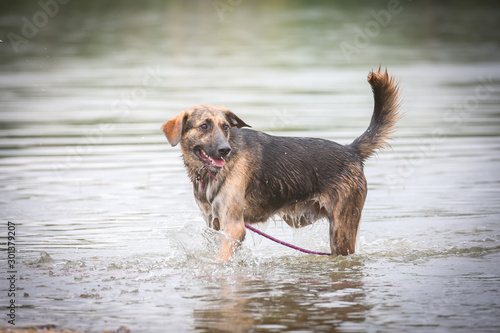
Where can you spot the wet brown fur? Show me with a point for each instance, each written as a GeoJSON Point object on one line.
{"type": "Point", "coordinates": [301, 180]}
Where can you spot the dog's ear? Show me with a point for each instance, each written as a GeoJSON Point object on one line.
{"type": "Point", "coordinates": [173, 128]}
{"type": "Point", "coordinates": [234, 120]}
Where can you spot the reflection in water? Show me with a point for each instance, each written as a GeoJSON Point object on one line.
{"type": "Point", "coordinates": [225, 310]}
{"type": "Point", "coordinates": [240, 303]}
{"type": "Point", "coordinates": [88, 178]}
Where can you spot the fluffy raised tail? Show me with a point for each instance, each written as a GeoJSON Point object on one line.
{"type": "Point", "coordinates": [385, 115]}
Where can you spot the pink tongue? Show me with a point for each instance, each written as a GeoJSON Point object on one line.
{"type": "Point", "coordinates": [219, 162]}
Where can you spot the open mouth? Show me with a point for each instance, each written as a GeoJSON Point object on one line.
{"type": "Point", "coordinates": [209, 161]}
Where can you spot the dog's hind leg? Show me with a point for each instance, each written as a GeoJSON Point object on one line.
{"type": "Point", "coordinates": [344, 224]}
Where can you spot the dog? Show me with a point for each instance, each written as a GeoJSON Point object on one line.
{"type": "Point", "coordinates": [243, 176]}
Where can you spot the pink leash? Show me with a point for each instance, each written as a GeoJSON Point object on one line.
{"type": "Point", "coordinates": [285, 243]}
{"type": "Point", "coordinates": [263, 233]}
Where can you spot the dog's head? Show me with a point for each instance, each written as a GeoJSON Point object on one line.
{"type": "Point", "coordinates": [203, 132]}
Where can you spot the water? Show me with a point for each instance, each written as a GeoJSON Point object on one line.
{"type": "Point", "coordinates": [107, 231]}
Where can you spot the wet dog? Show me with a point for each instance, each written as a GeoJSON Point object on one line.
{"type": "Point", "coordinates": [244, 176]}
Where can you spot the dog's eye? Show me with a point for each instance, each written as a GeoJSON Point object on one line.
{"type": "Point", "coordinates": [225, 127]}
{"type": "Point", "coordinates": [204, 127]}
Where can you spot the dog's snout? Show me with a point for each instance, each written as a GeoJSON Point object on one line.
{"type": "Point", "coordinates": [224, 151]}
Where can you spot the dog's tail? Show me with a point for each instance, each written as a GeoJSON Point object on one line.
{"type": "Point", "coordinates": [385, 115]}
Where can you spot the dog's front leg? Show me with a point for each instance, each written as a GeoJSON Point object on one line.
{"type": "Point", "coordinates": [234, 233]}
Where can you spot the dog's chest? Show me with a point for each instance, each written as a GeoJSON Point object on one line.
{"type": "Point", "coordinates": [205, 189]}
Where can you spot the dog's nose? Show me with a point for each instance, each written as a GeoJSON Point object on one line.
{"type": "Point", "coordinates": [224, 151]}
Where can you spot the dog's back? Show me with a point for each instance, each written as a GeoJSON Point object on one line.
{"type": "Point", "coordinates": [288, 170]}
